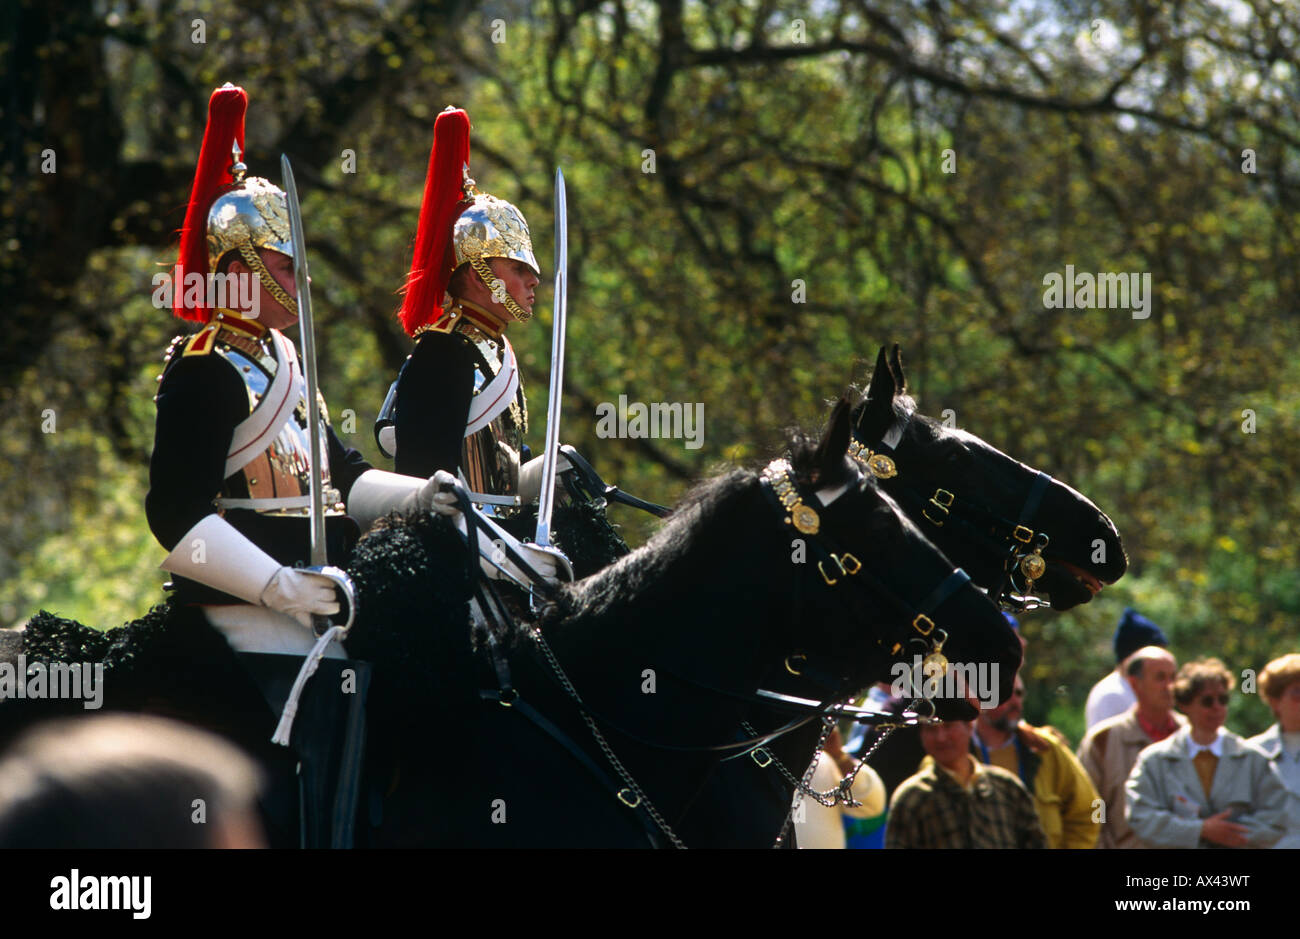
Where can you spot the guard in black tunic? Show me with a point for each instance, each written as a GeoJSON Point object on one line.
{"type": "Point", "coordinates": [458, 404]}
{"type": "Point", "coordinates": [230, 482]}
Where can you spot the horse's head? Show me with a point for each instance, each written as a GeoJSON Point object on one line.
{"type": "Point", "coordinates": [1012, 527]}
{"type": "Point", "coordinates": [864, 563]}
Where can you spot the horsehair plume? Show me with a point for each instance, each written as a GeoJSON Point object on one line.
{"type": "Point", "coordinates": [432, 258]}
{"type": "Point", "coordinates": [225, 126]}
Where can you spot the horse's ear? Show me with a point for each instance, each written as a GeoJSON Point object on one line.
{"type": "Point", "coordinates": [874, 415]}
{"type": "Point", "coordinates": [896, 366]}
{"type": "Point", "coordinates": [829, 458]}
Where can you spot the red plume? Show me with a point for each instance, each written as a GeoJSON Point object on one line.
{"type": "Point", "coordinates": [226, 110]}
{"type": "Point", "coordinates": [434, 258]}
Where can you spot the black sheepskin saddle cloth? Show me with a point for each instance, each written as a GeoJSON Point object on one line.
{"type": "Point", "coordinates": [412, 626]}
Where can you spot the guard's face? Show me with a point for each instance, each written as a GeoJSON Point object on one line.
{"type": "Point", "coordinates": [521, 283]}
{"type": "Point", "coordinates": [281, 268]}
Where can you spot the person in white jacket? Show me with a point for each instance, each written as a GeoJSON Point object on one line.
{"type": "Point", "coordinates": [1204, 786]}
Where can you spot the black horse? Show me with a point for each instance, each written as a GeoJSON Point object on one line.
{"type": "Point", "coordinates": [987, 512]}
{"type": "Point", "coordinates": [603, 724]}
{"type": "Point", "coordinates": [477, 742]}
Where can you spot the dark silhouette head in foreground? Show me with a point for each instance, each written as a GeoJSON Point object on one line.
{"type": "Point", "coordinates": [127, 781]}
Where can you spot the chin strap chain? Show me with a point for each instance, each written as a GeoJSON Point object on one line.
{"type": "Point", "coordinates": [499, 292]}
{"type": "Point", "coordinates": [254, 260]}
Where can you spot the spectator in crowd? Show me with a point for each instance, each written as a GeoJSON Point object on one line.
{"type": "Point", "coordinates": [1204, 786]}
{"type": "Point", "coordinates": [1063, 794]}
{"type": "Point", "coordinates": [898, 756]}
{"type": "Point", "coordinates": [1112, 695]}
{"type": "Point", "coordinates": [818, 826]}
{"type": "Point", "coordinates": [1280, 684]}
{"type": "Point", "coordinates": [1110, 749]}
{"type": "Point", "coordinates": [119, 781]}
{"type": "Point", "coordinates": [955, 801]}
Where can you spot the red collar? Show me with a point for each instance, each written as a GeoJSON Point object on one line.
{"type": "Point", "coordinates": [466, 318]}
{"type": "Point", "coordinates": [233, 320]}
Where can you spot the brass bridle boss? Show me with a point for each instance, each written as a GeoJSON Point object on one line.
{"type": "Point", "coordinates": [779, 478]}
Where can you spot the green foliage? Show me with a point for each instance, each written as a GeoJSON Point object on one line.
{"type": "Point", "coordinates": [776, 162]}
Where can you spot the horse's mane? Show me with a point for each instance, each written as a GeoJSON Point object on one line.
{"type": "Point", "coordinates": [676, 538]}
{"type": "Point", "coordinates": [693, 517]}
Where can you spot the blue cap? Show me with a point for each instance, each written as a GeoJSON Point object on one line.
{"type": "Point", "coordinates": [1134, 632]}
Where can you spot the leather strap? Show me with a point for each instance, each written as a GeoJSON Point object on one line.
{"type": "Point", "coordinates": [496, 396]}
{"type": "Point", "coordinates": [254, 433]}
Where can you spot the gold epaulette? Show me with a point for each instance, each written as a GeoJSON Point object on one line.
{"type": "Point", "coordinates": [464, 319]}
{"type": "Point", "coordinates": [202, 342]}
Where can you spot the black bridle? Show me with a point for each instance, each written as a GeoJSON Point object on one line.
{"type": "Point", "coordinates": [1017, 540]}
{"type": "Point", "coordinates": [834, 566]}
{"type": "Point", "coordinates": [912, 621]}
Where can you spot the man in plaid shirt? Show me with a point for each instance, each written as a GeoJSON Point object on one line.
{"type": "Point", "coordinates": [954, 801]}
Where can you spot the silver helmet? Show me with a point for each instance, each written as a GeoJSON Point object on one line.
{"type": "Point", "coordinates": [493, 228]}
{"type": "Point", "coordinates": [253, 213]}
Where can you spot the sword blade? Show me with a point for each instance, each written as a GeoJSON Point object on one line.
{"type": "Point", "coordinates": [551, 456]}
{"type": "Point", "coordinates": [317, 510]}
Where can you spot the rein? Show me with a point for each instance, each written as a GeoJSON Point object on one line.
{"type": "Point", "coordinates": [777, 482]}
{"type": "Point", "coordinates": [782, 489]}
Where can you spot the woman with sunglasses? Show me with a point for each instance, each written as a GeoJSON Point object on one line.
{"type": "Point", "coordinates": [1204, 786]}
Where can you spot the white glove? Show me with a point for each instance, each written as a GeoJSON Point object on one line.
{"type": "Point", "coordinates": [300, 594]}
{"type": "Point", "coordinates": [549, 562]}
{"type": "Point", "coordinates": [437, 496]}
{"type": "Point", "coordinates": [376, 493]}
{"type": "Point", "coordinates": [443, 503]}
{"type": "Point", "coordinates": [530, 477]}
{"type": "Point", "coordinates": [217, 554]}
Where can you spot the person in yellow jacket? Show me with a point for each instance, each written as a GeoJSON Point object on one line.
{"type": "Point", "coordinates": [1064, 796]}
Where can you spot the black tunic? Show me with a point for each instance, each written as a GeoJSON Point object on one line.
{"type": "Point", "coordinates": [434, 391]}
{"type": "Point", "coordinates": [201, 399]}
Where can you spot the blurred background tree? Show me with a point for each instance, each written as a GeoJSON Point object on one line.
{"type": "Point", "coordinates": [759, 197]}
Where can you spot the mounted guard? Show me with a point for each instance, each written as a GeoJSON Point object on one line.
{"type": "Point", "coordinates": [232, 473]}
{"type": "Point", "coordinates": [240, 449]}
{"type": "Point", "coordinates": [458, 404]}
